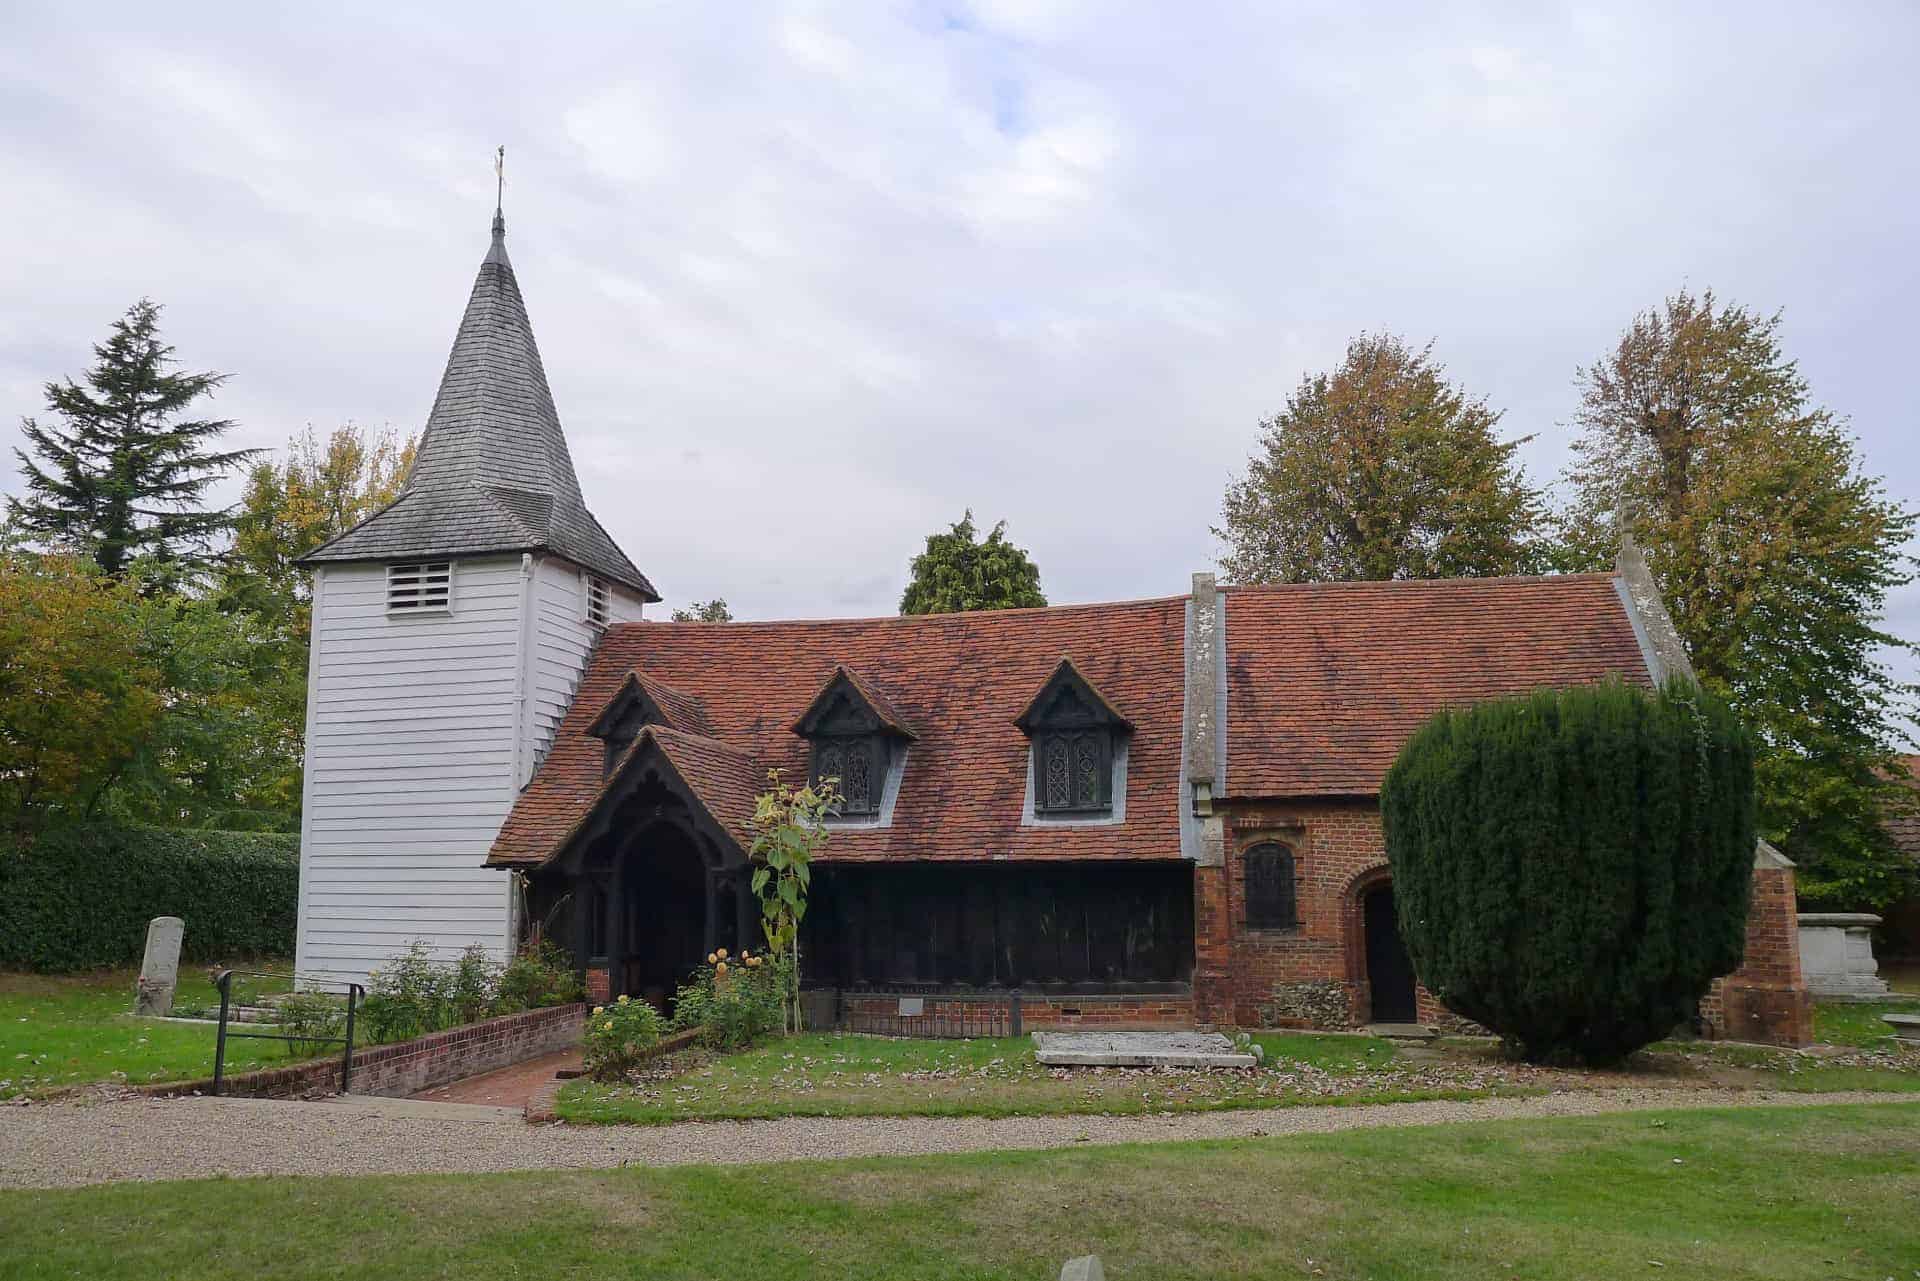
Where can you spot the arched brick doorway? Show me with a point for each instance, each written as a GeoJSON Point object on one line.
{"type": "Point", "coordinates": [1389, 970]}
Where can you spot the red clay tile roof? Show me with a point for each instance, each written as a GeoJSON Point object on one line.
{"type": "Point", "coordinates": [957, 679]}
{"type": "Point", "coordinates": [1325, 681]}
{"type": "Point", "coordinates": [545, 817]}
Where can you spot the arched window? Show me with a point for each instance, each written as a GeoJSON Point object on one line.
{"type": "Point", "coordinates": [1271, 900]}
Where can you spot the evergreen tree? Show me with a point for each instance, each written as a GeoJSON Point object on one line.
{"type": "Point", "coordinates": [1381, 469]}
{"type": "Point", "coordinates": [959, 572]}
{"type": "Point", "coordinates": [1775, 553]}
{"type": "Point", "coordinates": [123, 473]}
{"type": "Point", "coordinates": [704, 611]}
{"type": "Point", "coordinates": [1572, 868]}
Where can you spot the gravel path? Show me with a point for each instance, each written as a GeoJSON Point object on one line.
{"type": "Point", "coordinates": [66, 1144]}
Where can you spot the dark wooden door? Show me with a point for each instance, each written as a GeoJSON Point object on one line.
{"type": "Point", "coordinates": [1389, 970]}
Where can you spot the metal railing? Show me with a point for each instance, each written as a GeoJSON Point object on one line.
{"type": "Point", "coordinates": [225, 983]}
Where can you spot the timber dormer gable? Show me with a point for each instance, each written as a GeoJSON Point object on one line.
{"type": "Point", "coordinates": [639, 702]}
{"type": "Point", "coordinates": [856, 738]}
{"type": "Point", "coordinates": [1078, 738]}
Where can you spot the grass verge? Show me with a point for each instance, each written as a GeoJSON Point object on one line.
{"type": "Point", "coordinates": [1740, 1194]}
{"type": "Point", "coordinates": [59, 1031]}
{"type": "Point", "coordinates": [1858, 1023]}
{"type": "Point", "coordinates": [838, 1075]}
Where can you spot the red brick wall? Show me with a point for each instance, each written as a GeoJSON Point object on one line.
{"type": "Point", "coordinates": [599, 989]}
{"type": "Point", "coordinates": [1315, 975]}
{"type": "Point", "coordinates": [1765, 999]}
{"type": "Point", "coordinates": [1042, 1011]}
{"type": "Point", "coordinates": [407, 1067]}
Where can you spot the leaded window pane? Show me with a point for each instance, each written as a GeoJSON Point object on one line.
{"type": "Point", "coordinates": [858, 787]}
{"type": "Point", "coordinates": [1086, 771]}
{"type": "Point", "coordinates": [1059, 772]}
{"type": "Point", "coordinates": [833, 764]}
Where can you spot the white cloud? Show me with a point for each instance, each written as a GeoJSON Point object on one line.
{"type": "Point", "coordinates": [1050, 260]}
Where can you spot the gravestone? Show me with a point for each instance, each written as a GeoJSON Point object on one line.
{"type": "Point", "coordinates": [1836, 956]}
{"type": "Point", "coordinates": [1085, 1268]}
{"type": "Point", "coordinates": [160, 970]}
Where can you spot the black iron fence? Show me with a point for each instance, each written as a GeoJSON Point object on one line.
{"type": "Point", "coordinates": [932, 1015]}
{"type": "Point", "coordinates": [225, 983]}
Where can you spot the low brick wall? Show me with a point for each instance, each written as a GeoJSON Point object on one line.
{"type": "Point", "coordinates": [408, 1067]}
{"type": "Point", "coordinates": [1040, 1011]}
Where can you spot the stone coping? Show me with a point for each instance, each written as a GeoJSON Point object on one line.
{"type": "Point", "coordinates": [1845, 919]}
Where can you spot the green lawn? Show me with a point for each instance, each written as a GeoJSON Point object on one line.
{"type": "Point", "coordinates": [1775, 1194]}
{"type": "Point", "coordinates": [58, 1031]}
{"type": "Point", "coordinates": [1851, 1023]}
{"type": "Point", "coordinates": [834, 1075]}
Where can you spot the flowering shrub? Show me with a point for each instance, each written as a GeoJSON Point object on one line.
{"type": "Point", "coordinates": [540, 976]}
{"type": "Point", "coordinates": [618, 1037]}
{"type": "Point", "coordinates": [413, 994]}
{"type": "Point", "coordinates": [733, 1000]}
{"type": "Point", "coordinates": [409, 996]}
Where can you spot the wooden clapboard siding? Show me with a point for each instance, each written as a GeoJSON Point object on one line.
{"type": "Point", "coordinates": [561, 641]}
{"type": "Point", "coordinates": [411, 723]}
{"type": "Point", "coordinates": [420, 731]}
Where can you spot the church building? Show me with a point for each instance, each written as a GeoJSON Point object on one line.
{"type": "Point", "coordinates": [1159, 812]}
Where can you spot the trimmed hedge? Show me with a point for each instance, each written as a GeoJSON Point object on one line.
{"type": "Point", "coordinates": [80, 898]}
{"type": "Point", "coordinates": [1571, 869]}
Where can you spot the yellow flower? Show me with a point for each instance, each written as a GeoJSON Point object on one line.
{"type": "Point", "coordinates": [720, 968]}
{"type": "Point", "coordinates": [711, 958]}
{"type": "Point", "coordinates": [624, 998]}
{"type": "Point", "coordinates": [722, 954]}
{"type": "Point", "coordinates": [607, 1026]}
{"type": "Point", "coordinates": [598, 1010]}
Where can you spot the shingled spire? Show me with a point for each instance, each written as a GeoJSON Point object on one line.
{"type": "Point", "coordinates": [492, 473]}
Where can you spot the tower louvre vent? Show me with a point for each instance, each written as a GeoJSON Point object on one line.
{"type": "Point", "coordinates": [421, 587]}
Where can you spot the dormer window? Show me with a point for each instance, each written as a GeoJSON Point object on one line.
{"type": "Point", "coordinates": [1075, 732]}
{"type": "Point", "coordinates": [420, 587]}
{"type": "Point", "coordinates": [639, 702]}
{"type": "Point", "coordinates": [853, 734]}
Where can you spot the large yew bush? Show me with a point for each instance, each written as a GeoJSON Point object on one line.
{"type": "Point", "coordinates": [1571, 868]}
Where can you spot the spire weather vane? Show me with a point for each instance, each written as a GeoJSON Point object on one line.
{"type": "Point", "coordinates": [499, 175]}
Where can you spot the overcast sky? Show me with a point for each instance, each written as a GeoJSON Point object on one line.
{"type": "Point", "coordinates": [811, 280]}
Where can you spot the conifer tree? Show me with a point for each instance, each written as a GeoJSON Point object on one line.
{"type": "Point", "coordinates": [121, 471]}
{"type": "Point", "coordinates": [959, 572]}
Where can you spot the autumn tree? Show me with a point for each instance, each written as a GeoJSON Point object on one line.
{"type": "Point", "coordinates": [78, 694]}
{"type": "Point", "coordinates": [704, 611]}
{"type": "Point", "coordinates": [121, 470]}
{"type": "Point", "coordinates": [1380, 469]}
{"type": "Point", "coordinates": [1775, 553]}
{"type": "Point", "coordinates": [960, 572]}
{"type": "Point", "coordinates": [312, 493]}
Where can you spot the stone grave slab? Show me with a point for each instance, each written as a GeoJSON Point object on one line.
{"type": "Point", "coordinates": [1138, 1049]}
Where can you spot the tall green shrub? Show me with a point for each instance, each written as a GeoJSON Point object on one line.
{"type": "Point", "coordinates": [79, 898]}
{"type": "Point", "coordinates": [1572, 868]}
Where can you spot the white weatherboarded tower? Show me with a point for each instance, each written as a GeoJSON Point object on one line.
{"type": "Point", "coordinates": [449, 629]}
